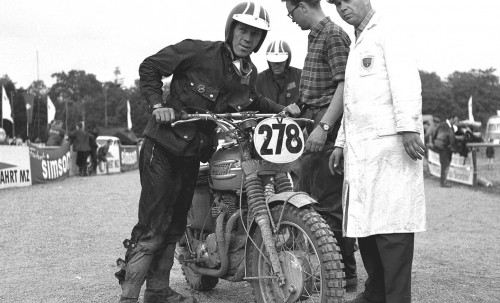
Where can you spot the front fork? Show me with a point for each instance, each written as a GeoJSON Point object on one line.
{"type": "Point", "coordinates": [257, 193]}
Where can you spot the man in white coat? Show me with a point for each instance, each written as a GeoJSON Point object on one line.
{"type": "Point", "coordinates": [381, 142]}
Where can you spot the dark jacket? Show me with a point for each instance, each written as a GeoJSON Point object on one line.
{"type": "Point", "coordinates": [204, 79]}
{"type": "Point", "coordinates": [56, 135]}
{"type": "Point", "coordinates": [283, 89]}
{"type": "Point", "coordinates": [80, 140]}
{"type": "Point", "coordinates": [444, 137]}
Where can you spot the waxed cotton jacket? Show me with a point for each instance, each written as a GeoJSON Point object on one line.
{"type": "Point", "coordinates": [204, 79]}
{"type": "Point", "coordinates": [284, 91]}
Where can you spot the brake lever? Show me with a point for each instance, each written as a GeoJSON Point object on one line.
{"type": "Point", "coordinates": [173, 124]}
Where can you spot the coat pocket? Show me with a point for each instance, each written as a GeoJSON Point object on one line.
{"type": "Point", "coordinates": [367, 62]}
{"type": "Point", "coordinates": [203, 88]}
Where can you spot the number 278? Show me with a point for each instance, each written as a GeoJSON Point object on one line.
{"type": "Point", "coordinates": [292, 136]}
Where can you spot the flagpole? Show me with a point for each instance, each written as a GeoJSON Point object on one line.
{"type": "Point", "coordinates": [13, 115]}
{"type": "Point", "coordinates": [37, 67]}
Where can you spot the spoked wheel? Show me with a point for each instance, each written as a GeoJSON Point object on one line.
{"type": "Point", "coordinates": [309, 257]}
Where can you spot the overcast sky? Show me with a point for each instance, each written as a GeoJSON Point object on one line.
{"type": "Point", "coordinates": [99, 35]}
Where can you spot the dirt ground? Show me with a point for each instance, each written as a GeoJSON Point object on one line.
{"type": "Point", "coordinates": [59, 243]}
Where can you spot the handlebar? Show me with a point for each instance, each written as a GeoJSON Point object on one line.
{"type": "Point", "coordinates": [184, 117]}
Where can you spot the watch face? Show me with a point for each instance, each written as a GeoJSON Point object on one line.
{"type": "Point", "coordinates": [325, 126]}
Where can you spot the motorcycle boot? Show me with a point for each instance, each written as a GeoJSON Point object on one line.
{"type": "Point", "coordinates": [347, 249]}
{"type": "Point", "coordinates": [158, 279]}
{"type": "Point", "coordinates": [133, 273]}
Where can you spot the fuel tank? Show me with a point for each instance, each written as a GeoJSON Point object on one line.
{"type": "Point", "coordinates": [225, 168]}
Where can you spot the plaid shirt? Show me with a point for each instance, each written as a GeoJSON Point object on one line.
{"type": "Point", "coordinates": [325, 63]}
{"type": "Point", "coordinates": [358, 30]}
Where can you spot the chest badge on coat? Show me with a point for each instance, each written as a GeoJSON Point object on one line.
{"type": "Point", "coordinates": [367, 62]}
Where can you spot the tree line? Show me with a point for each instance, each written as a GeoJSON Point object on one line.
{"type": "Point", "coordinates": [79, 96]}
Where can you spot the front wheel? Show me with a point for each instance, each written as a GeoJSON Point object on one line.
{"type": "Point", "coordinates": [309, 257]}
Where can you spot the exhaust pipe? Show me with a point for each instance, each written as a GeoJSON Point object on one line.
{"type": "Point", "coordinates": [223, 241]}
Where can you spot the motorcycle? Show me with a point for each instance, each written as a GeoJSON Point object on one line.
{"type": "Point", "coordinates": [247, 224]}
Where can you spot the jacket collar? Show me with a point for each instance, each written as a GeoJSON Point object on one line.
{"type": "Point", "coordinates": [319, 27]}
{"type": "Point", "coordinates": [373, 22]}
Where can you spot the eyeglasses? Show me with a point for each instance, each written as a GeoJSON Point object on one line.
{"type": "Point", "coordinates": [291, 12]}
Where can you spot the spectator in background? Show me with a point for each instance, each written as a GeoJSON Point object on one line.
{"type": "Point", "coordinates": [80, 139]}
{"type": "Point", "coordinates": [93, 149]}
{"type": "Point", "coordinates": [55, 134]}
{"type": "Point", "coordinates": [490, 154]}
{"type": "Point", "coordinates": [103, 151]}
{"type": "Point", "coordinates": [443, 141]}
{"type": "Point", "coordinates": [280, 83]}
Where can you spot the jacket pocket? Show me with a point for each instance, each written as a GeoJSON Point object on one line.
{"type": "Point", "coordinates": [366, 64]}
{"type": "Point", "coordinates": [202, 88]}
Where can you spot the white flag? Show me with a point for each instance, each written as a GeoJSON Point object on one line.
{"type": "Point", "coordinates": [6, 111]}
{"type": "Point", "coordinates": [129, 117]}
{"type": "Point", "coordinates": [471, 117]}
{"type": "Point", "coordinates": [51, 110]}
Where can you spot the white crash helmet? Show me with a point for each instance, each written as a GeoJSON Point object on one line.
{"type": "Point", "coordinates": [249, 13]}
{"type": "Point", "coordinates": [278, 51]}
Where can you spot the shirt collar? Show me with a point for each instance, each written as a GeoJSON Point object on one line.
{"type": "Point", "coordinates": [319, 27]}
{"type": "Point", "coordinates": [358, 30]}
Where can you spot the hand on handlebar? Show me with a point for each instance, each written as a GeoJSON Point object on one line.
{"type": "Point", "coordinates": [293, 109]}
{"type": "Point", "coordinates": [164, 115]}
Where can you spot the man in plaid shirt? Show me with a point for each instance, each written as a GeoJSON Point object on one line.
{"type": "Point", "coordinates": [321, 99]}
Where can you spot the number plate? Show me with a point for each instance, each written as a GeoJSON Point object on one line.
{"type": "Point", "coordinates": [279, 140]}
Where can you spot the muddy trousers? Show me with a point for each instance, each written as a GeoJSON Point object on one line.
{"type": "Point", "coordinates": [388, 260]}
{"type": "Point", "coordinates": [155, 270]}
{"type": "Point", "coordinates": [168, 184]}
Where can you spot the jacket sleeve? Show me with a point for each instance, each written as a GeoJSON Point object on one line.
{"type": "Point", "coordinates": [168, 61]}
{"type": "Point", "coordinates": [264, 105]}
{"type": "Point", "coordinates": [404, 79]}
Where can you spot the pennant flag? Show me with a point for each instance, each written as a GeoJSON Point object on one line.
{"type": "Point", "coordinates": [6, 110]}
{"type": "Point", "coordinates": [129, 117]}
{"type": "Point", "coordinates": [471, 117]}
{"type": "Point", "coordinates": [51, 110]}
{"type": "Point", "coordinates": [29, 99]}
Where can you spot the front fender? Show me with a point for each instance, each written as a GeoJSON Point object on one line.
{"type": "Point", "coordinates": [297, 199]}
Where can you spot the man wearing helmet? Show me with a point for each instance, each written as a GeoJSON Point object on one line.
{"type": "Point", "coordinates": [280, 83]}
{"type": "Point", "coordinates": [216, 76]}
{"type": "Point", "coordinates": [321, 91]}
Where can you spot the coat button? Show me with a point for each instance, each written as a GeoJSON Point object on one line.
{"type": "Point", "coordinates": [211, 96]}
{"type": "Point", "coordinates": [185, 137]}
{"type": "Point", "coordinates": [239, 107]}
{"type": "Point", "coordinates": [288, 95]}
{"type": "Point", "coordinates": [192, 84]}
{"type": "Point", "coordinates": [201, 89]}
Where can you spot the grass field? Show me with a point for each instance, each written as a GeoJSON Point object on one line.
{"type": "Point", "coordinates": [59, 243]}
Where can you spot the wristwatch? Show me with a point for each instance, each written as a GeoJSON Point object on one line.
{"type": "Point", "coordinates": [324, 126]}
{"type": "Point", "coordinates": [157, 105]}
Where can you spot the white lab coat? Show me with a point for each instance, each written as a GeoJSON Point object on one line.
{"type": "Point", "coordinates": [383, 186]}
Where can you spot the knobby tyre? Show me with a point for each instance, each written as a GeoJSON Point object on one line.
{"type": "Point", "coordinates": [309, 256]}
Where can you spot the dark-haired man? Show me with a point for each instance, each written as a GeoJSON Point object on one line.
{"type": "Point", "coordinates": [321, 90]}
